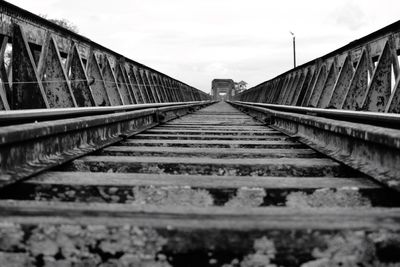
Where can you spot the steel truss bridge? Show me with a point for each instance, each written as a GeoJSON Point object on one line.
{"type": "Point", "coordinates": [108, 162]}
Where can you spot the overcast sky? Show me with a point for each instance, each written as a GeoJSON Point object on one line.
{"type": "Point", "coordinates": [196, 41]}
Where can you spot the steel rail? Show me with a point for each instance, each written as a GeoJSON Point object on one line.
{"type": "Point", "coordinates": [27, 149]}
{"type": "Point", "coordinates": [371, 149]}
{"type": "Point", "coordinates": [210, 185]}
{"type": "Point", "coordinates": [32, 115]}
{"type": "Point", "coordinates": [372, 118]}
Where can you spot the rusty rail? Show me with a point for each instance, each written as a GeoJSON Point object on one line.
{"type": "Point", "coordinates": [213, 188]}
{"type": "Point", "coordinates": [13, 117]}
{"type": "Point", "coordinates": [361, 76]}
{"type": "Point", "coordinates": [26, 149]}
{"type": "Point", "coordinates": [52, 67]}
{"type": "Point", "coordinates": [374, 150]}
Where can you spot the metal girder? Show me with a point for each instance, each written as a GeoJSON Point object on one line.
{"type": "Point", "coordinates": [123, 85]}
{"type": "Point", "coordinates": [317, 89]}
{"type": "Point", "coordinates": [326, 93]}
{"type": "Point", "coordinates": [356, 89]}
{"type": "Point", "coordinates": [342, 83]}
{"type": "Point", "coordinates": [135, 85]}
{"type": "Point", "coordinates": [97, 82]}
{"type": "Point", "coordinates": [53, 76]}
{"type": "Point", "coordinates": [111, 83]}
{"type": "Point", "coordinates": [379, 90]}
{"type": "Point", "coordinates": [97, 76]}
{"type": "Point", "coordinates": [79, 81]}
{"type": "Point", "coordinates": [27, 88]}
{"type": "Point", "coordinates": [5, 86]}
{"type": "Point", "coordinates": [358, 76]}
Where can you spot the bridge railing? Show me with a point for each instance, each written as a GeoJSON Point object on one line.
{"type": "Point", "coordinates": [363, 75]}
{"type": "Point", "coordinates": [43, 65]}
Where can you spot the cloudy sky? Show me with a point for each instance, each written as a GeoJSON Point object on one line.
{"type": "Point", "coordinates": [196, 41]}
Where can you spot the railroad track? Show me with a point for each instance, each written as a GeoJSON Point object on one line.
{"type": "Point", "coordinates": [107, 162]}
{"type": "Point", "coordinates": [212, 188]}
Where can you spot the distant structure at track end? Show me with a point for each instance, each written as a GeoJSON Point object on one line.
{"type": "Point", "coordinates": [225, 89]}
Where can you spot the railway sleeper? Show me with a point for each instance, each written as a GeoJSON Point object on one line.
{"type": "Point", "coordinates": [175, 196]}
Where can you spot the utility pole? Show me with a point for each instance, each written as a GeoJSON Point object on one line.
{"type": "Point", "coordinates": [294, 49]}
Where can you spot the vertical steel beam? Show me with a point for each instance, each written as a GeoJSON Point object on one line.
{"type": "Point", "coordinates": [122, 84]}
{"type": "Point", "coordinates": [128, 82]}
{"type": "Point", "coordinates": [111, 83]}
{"type": "Point", "coordinates": [319, 83]}
{"type": "Point", "coordinates": [53, 76]}
{"type": "Point", "coordinates": [342, 84]}
{"type": "Point", "coordinates": [282, 83]}
{"type": "Point", "coordinates": [292, 91]}
{"type": "Point", "coordinates": [327, 89]}
{"type": "Point", "coordinates": [27, 88]}
{"type": "Point", "coordinates": [299, 87]}
{"type": "Point", "coordinates": [156, 87]}
{"type": "Point", "coordinates": [289, 79]}
{"type": "Point", "coordinates": [161, 87]}
{"type": "Point", "coordinates": [358, 84]}
{"type": "Point", "coordinates": [174, 90]}
{"type": "Point", "coordinates": [134, 84]}
{"type": "Point", "coordinates": [5, 90]}
{"type": "Point", "coordinates": [168, 89]}
{"type": "Point", "coordinates": [311, 84]}
{"type": "Point", "coordinates": [141, 85]}
{"type": "Point", "coordinates": [379, 89]}
{"type": "Point", "coordinates": [147, 86]}
{"type": "Point", "coordinates": [79, 81]}
{"type": "Point", "coordinates": [289, 88]}
{"type": "Point", "coordinates": [96, 81]}
{"type": "Point", "coordinates": [394, 101]}
{"type": "Point", "coordinates": [153, 87]}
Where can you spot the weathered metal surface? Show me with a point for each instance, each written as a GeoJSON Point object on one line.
{"type": "Point", "coordinates": [140, 85]}
{"type": "Point", "coordinates": [97, 82]}
{"type": "Point", "coordinates": [79, 81]}
{"type": "Point", "coordinates": [4, 86]}
{"type": "Point", "coordinates": [370, 149]}
{"type": "Point", "coordinates": [292, 90]}
{"type": "Point", "coordinates": [24, 116]}
{"type": "Point", "coordinates": [112, 87]}
{"type": "Point", "coordinates": [326, 93]}
{"type": "Point", "coordinates": [310, 86]}
{"type": "Point", "coordinates": [358, 83]}
{"type": "Point", "coordinates": [54, 78]}
{"type": "Point", "coordinates": [28, 91]}
{"type": "Point", "coordinates": [370, 118]}
{"type": "Point", "coordinates": [394, 101]}
{"type": "Point", "coordinates": [153, 87]}
{"type": "Point", "coordinates": [29, 148]}
{"type": "Point", "coordinates": [123, 85]}
{"type": "Point", "coordinates": [379, 90]}
{"type": "Point", "coordinates": [146, 86]}
{"type": "Point", "coordinates": [341, 85]}
{"type": "Point", "coordinates": [317, 88]}
{"type": "Point", "coordinates": [300, 87]}
{"type": "Point", "coordinates": [128, 83]}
